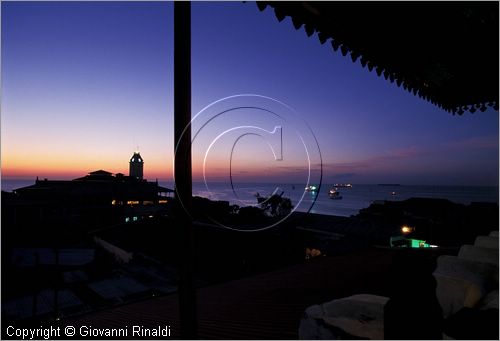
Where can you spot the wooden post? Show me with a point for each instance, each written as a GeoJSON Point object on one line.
{"type": "Point", "coordinates": [183, 172]}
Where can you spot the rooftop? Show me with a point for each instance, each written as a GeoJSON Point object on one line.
{"type": "Point", "coordinates": [265, 306]}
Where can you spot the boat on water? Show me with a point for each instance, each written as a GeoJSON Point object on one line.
{"type": "Point", "coordinates": [342, 185]}
{"type": "Point", "coordinates": [311, 188]}
{"type": "Point", "coordinates": [334, 194]}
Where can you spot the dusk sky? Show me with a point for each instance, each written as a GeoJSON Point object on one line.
{"type": "Point", "coordinates": [84, 84]}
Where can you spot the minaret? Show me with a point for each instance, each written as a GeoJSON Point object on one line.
{"type": "Point", "coordinates": [136, 166]}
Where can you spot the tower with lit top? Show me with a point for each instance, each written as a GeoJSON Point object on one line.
{"type": "Point", "coordinates": [136, 166]}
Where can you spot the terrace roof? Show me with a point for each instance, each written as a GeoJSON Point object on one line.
{"type": "Point", "coordinates": [446, 53]}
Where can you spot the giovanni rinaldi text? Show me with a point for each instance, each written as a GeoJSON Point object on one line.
{"type": "Point", "coordinates": [86, 331]}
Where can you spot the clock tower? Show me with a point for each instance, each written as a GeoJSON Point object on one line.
{"type": "Point", "coordinates": [136, 166]}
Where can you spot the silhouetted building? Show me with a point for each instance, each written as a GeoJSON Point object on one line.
{"type": "Point", "coordinates": [97, 188]}
{"type": "Point", "coordinates": [136, 166]}
{"type": "Point", "coordinates": [95, 200]}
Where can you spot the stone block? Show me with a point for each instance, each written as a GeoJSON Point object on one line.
{"type": "Point", "coordinates": [357, 316]}
{"type": "Point", "coordinates": [479, 254]}
{"type": "Point", "coordinates": [490, 301]}
{"type": "Point", "coordinates": [487, 242]}
{"type": "Point", "coordinates": [462, 282]}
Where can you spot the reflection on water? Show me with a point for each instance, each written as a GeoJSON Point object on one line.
{"type": "Point", "coordinates": [353, 199]}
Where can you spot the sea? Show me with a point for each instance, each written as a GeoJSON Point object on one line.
{"type": "Point", "coordinates": [357, 197]}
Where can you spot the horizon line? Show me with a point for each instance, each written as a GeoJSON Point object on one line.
{"type": "Point", "coordinates": [26, 178]}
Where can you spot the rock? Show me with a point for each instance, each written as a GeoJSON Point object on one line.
{"type": "Point", "coordinates": [490, 301]}
{"type": "Point", "coordinates": [455, 293]}
{"type": "Point", "coordinates": [479, 254]}
{"type": "Point", "coordinates": [462, 282]}
{"type": "Point", "coordinates": [494, 234]}
{"type": "Point", "coordinates": [468, 269]}
{"type": "Point", "coordinates": [457, 285]}
{"type": "Point", "coordinates": [487, 242]}
{"type": "Point", "coordinates": [358, 316]}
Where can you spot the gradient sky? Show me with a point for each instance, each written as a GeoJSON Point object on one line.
{"type": "Point", "coordinates": [84, 84]}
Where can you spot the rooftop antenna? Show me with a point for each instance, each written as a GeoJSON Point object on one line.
{"type": "Point", "coordinates": [136, 150]}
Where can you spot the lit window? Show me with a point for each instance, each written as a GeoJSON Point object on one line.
{"type": "Point", "coordinates": [416, 243]}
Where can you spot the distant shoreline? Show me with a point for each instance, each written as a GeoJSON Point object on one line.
{"type": "Point", "coordinates": [354, 198]}
{"type": "Point", "coordinates": [31, 180]}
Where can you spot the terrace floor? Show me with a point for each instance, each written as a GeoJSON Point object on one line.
{"type": "Point", "coordinates": [265, 306]}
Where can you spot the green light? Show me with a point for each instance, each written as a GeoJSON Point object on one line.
{"type": "Point", "coordinates": [417, 243]}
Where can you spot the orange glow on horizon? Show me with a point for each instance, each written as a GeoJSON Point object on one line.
{"type": "Point", "coordinates": [54, 173]}
{"type": "Point", "coordinates": [64, 169]}
{"type": "Point", "coordinates": [61, 166]}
